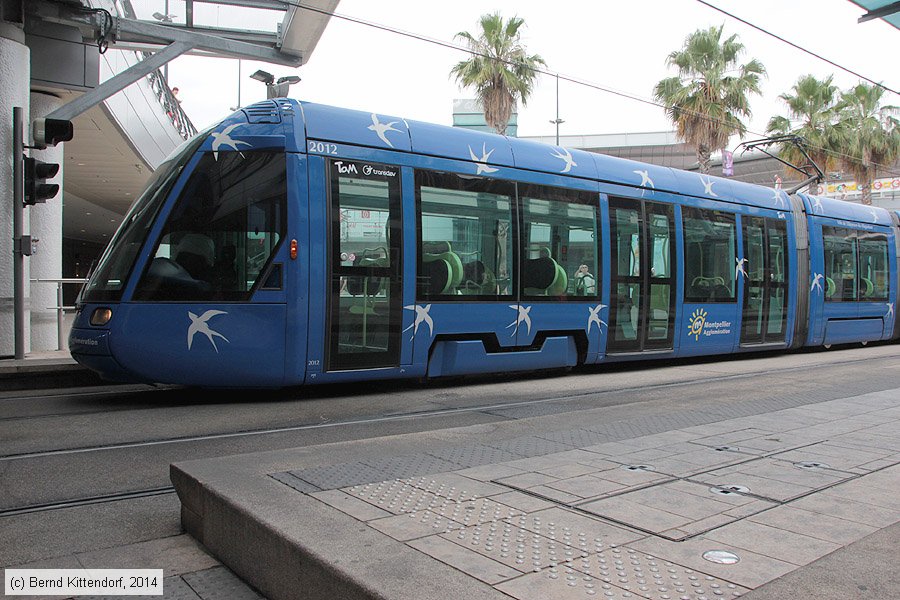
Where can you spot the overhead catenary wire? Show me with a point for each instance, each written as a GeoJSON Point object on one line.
{"type": "Point", "coordinates": [798, 47]}
{"type": "Point", "coordinates": [577, 80]}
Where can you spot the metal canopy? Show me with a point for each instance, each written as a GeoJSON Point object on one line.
{"type": "Point", "coordinates": [886, 10]}
{"type": "Point", "coordinates": [291, 44]}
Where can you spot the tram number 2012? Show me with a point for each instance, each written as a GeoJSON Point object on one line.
{"type": "Point", "coordinates": [322, 147]}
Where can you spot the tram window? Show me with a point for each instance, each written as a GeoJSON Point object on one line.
{"type": "Point", "coordinates": [108, 281]}
{"type": "Point", "coordinates": [840, 264]}
{"type": "Point", "coordinates": [465, 237]}
{"type": "Point", "coordinates": [364, 215]}
{"type": "Point", "coordinates": [710, 255]}
{"type": "Point", "coordinates": [222, 232]}
{"type": "Point", "coordinates": [873, 267]}
{"type": "Point", "coordinates": [559, 257]}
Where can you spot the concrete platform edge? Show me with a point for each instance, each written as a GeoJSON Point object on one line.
{"type": "Point", "coordinates": [312, 557]}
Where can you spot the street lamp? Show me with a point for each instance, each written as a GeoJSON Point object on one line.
{"type": "Point", "coordinates": [275, 89]}
{"type": "Point", "coordinates": [165, 17]}
{"type": "Point", "coordinates": [234, 108]}
{"type": "Point", "coordinates": [557, 121]}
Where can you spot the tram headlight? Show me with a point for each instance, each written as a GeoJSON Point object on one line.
{"type": "Point", "coordinates": [101, 316]}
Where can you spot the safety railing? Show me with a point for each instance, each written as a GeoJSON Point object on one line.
{"type": "Point", "coordinates": [157, 81]}
{"type": "Point", "coordinates": [171, 105]}
{"type": "Point", "coordinates": [60, 306]}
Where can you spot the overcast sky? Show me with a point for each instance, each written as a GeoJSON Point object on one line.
{"type": "Point", "coordinates": [617, 45]}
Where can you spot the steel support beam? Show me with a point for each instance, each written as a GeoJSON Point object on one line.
{"type": "Point", "coordinates": [127, 30]}
{"type": "Point", "coordinates": [119, 82]}
{"type": "Point", "coordinates": [264, 4]}
{"type": "Point", "coordinates": [879, 13]}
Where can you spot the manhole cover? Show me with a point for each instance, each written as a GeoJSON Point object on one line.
{"type": "Point", "coordinates": [728, 490]}
{"type": "Point", "coordinates": [722, 557]}
{"type": "Point", "coordinates": [811, 465]}
{"type": "Point", "coordinates": [638, 468]}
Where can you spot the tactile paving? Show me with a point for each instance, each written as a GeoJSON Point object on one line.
{"type": "Point", "coordinates": [295, 482]}
{"type": "Point", "coordinates": [398, 496]}
{"type": "Point", "coordinates": [620, 572]}
{"type": "Point", "coordinates": [473, 455]}
{"type": "Point", "coordinates": [410, 465]}
{"type": "Point", "coordinates": [516, 547]}
{"type": "Point", "coordinates": [528, 446]}
{"type": "Point", "coordinates": [577, 438]}
{"type": "Point", "coordinates": [341, 475]}
{"type": "Point", "coordinates": [219, 582]}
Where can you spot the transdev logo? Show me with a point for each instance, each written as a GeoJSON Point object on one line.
{"type": "Point", "coordinates": [699, 325]}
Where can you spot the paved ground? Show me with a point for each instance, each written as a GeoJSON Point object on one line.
{"type": "Point", "coordinates": [578, 463]}
{"type": "Point", "coordinates": [766, 494]}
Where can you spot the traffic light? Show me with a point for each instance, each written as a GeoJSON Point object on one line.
{"type": "Point", "coordinates": [50, 132]}
{"type": "Point", "coordinates": [35, 174]}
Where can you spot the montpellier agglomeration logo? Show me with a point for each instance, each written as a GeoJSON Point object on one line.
{"type": "Point", "coordinates": [699, 324]}
{"type": "Point", "coordinates": [696, 322]}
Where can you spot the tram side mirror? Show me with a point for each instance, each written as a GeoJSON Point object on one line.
{"type": "Point", "coordinates": [50, 132]}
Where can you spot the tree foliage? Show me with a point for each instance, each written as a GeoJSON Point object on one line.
{"type": "Point", "coordinates": [710, 94]}
{"type": "Point", "coordinates": [868, 134]}
{"type": "Point", "coordinates": [500, 68]}
{"type": "Point", "coordinates": [812, 113]}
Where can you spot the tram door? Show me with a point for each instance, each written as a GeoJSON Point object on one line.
{"type": "Point", "coordinates": [643, 276]}
{"type": "Point", "coordinates": [364, 266]}
{"type": "Point", "coordinates": [765, 286]}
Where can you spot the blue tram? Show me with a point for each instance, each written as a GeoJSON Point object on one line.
{"type": "Point", "coordinates": [296, 243]}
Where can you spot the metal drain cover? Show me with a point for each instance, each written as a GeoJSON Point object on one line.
{"type": "Point", "coordinates": [638, 468]}
{"type": "Point", "coordinates": [721, 557]}
{"type": "Point", "coordinates": [811, 465]}
{"type": "Point", "coordinates": [728, 490]}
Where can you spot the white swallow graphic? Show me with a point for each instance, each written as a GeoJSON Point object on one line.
{"type": "Point", "coordinates": [566, 156]}
{"type": "Point", "coordinates": [890, 312]}
{"type": "Point", "coordinates": [781, 215]}
{"type": "Point", "coordinates": [817, 205]}
{"type": "Point", "coordinates": [422, 316]}
{"type": "Point", "coordinates": [874, 213]}
{"type": "Point", "coordinates": [481, 163]}
{"type": "Point", "coordinates": [522, 318]}
{"type": "Point", "coordinates": [778, 199]}
{"type": "Point", "coordinates": [594, 317]}
{"type": "Point", "coordinates": [707, 187]}
{"type": "Point", "coordinates": [381, 128]}
{"type": "Point", "coordinates": [223, 138]}
{"type": "Point", "coordinates": [645, 179]}
{"type": "Point", "coordinates": [739, 268]}
{"type": "Point", "coordinates": [816, 282]}
{"type": "Point", "coordinates": [200, 325]}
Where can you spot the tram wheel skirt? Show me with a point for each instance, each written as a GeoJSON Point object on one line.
{"type": "Point", "coordinates": [468, 357]}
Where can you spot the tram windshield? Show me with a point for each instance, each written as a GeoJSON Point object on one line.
{"type": "Point", "coordinates": [108, 281]}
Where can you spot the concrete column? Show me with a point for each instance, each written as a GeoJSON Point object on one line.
{"type": "Point", "coordinates": [15, 79]}
{"type": "Point", "coordinates": [46, 226]}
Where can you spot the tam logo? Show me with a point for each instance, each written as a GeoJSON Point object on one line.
{"type": "Point", "coordinates": [346, 169]}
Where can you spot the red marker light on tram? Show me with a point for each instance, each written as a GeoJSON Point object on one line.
{"type": "Point", "coordinates": [293, 249]}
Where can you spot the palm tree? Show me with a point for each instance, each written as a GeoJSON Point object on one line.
{"type": "Point", "coordinates": [705, 100]}
{"type": "Point", "coordinates": [500, 68]}
{"type": "Point", "coordinates": [868, 133]}
{"type": "Point", "coordinates": [812, 114]}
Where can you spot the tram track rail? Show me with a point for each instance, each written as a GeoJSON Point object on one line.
{"type": "Point", "coordinates": [411, 415]}
{"type": "Point", "coordinates": [86, 498]}
{"type": "Point", "coordinates": [85, 501]}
